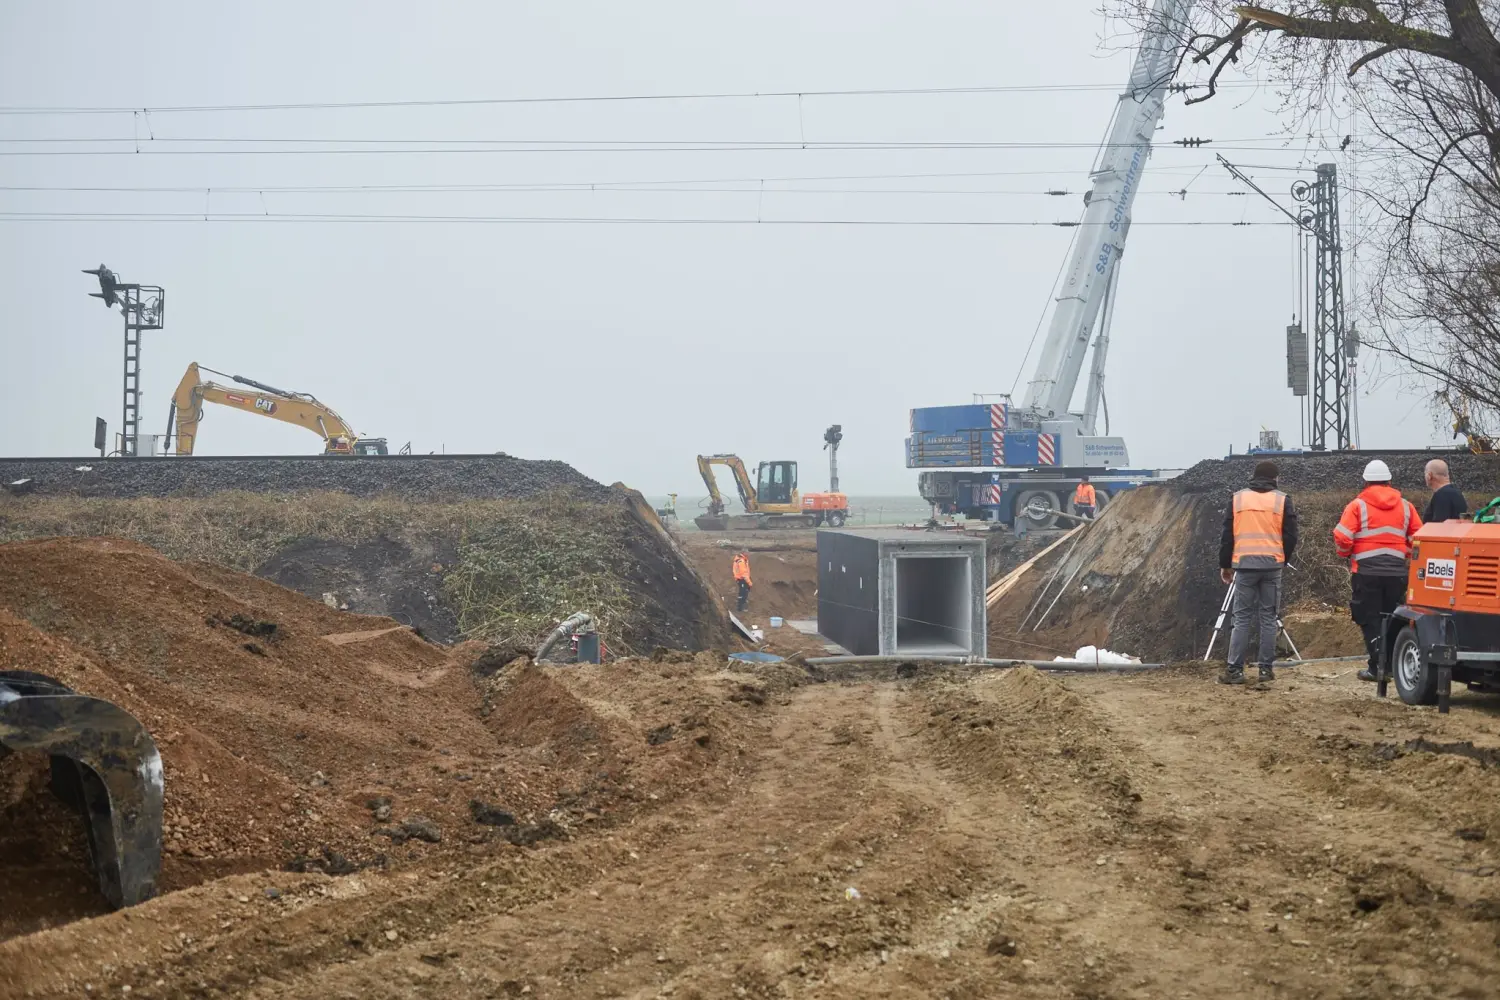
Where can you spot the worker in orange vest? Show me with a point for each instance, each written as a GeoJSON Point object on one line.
{"type": "Point", "coordinates": [1084, 499]}
{"type": "Point", "coordinates": [742, 578]}
{"type": "Point", "coordinates": [1375, 536]}
{"type": "Point", "coordinates": [1260, 535]}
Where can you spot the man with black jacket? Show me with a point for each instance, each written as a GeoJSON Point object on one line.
{"type": "Point", "coordinates": [1260, 535]}
{"type": "Point", "coordinates": [1447, 503]}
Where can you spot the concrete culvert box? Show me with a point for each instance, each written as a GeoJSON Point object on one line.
{"type": "Point", "coordinates": [902, 593]}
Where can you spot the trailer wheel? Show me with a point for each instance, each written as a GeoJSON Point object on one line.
{"type": "Point", "coordinates": [836, 518]}
{"type": "Point", "coordinates": [1040, 507]}
{"type": "Point", "coordinates": [1416, 679]}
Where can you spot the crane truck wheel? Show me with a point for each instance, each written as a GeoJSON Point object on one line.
{"type": "Point", "coordinates": [836, 519]}
{"type": "Point", "coordinates": [1416, 679]}
{"type": "Point", "coordinates": [1040, 507]}
{"type": "Point", "coordinates": [817, 520]}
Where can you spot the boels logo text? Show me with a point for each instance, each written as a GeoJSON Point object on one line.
{"type": "Point", "coordinates": [1440, 573]}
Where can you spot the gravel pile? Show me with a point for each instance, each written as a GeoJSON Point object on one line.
{"type": "Point", "coordinates": [419, 477]}
{"type": "Point", "coordinates": [1341, 472]}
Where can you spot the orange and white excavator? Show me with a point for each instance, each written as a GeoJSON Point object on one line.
{"type": "Point", "coordinates": [297, 408]}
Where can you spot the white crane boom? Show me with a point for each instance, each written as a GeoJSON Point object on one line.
{"type": "Point", "coordinates": [1106, 221]}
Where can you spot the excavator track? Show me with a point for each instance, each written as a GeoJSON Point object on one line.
{"type": "Point", "coordinates": [104, 765]}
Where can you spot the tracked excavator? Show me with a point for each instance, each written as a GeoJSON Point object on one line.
{"type": "Point", "coordinates": [297, 408]}
{"type": "Point", "coordinates": [104, 765]}
{"type": "Point", "coordinates": [773, 500]}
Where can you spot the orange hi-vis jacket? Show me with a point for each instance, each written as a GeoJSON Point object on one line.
{"type": "Point", "coordinates": [1375, 532]}
{"type": "Point", "coordinates": [1258, 517]}
{"type": "Point", "coordinates": [1084, 494]}
{"type": "Point", "coordinates": [741, 568]}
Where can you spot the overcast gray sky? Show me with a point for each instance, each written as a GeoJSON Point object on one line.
{"type": "Point", "coordinates": [626, 349]}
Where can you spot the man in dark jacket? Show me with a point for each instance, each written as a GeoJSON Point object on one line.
{"type": "Point", "coordinates": [1260, 535]}
{"type": "Point", "coordinates": [1447, 503]}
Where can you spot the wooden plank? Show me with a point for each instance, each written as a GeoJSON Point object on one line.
{"type": "Point", "coordinates": [1003, 586]}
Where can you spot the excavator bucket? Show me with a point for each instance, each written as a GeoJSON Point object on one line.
{"type": "Point", "coordinates": [104, 764]}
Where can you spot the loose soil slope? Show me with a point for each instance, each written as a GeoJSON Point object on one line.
{"type": "Point", "coordinates": [1144, 578]}
{"type": "Point", "coordinates": [449, 568]}
{"type": "Point", "coordinates": [1003, 834]}
{"type": "Point", "coordinates": [285, 726]}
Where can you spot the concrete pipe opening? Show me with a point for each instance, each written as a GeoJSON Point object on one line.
{"type": "Point", "coordinates": [934, 606]}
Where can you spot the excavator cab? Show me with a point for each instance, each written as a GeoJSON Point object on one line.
{"type": "Point", "coordinates": [371, 446]}
{"type": "Point", "coordinates": [777, 483]}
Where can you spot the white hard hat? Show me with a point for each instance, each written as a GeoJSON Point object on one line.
{"type": "Point", "coordinates": [1377, 472]}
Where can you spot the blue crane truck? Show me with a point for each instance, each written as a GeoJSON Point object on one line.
{"type": "Point", "coordinates": [980, 467]}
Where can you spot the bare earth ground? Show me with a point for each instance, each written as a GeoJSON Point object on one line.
{"type": "Point", "coordinates": [783, 567]}
{"type": "Point", "coordinates": [1005, 834]}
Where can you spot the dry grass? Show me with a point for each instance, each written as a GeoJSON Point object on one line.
{"type": "Point", "coordinates": [240, 530]}
{"type": "Point", "coordinates": [522, 564]}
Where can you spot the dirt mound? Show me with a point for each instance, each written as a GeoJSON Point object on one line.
{"type": "Point", "coordinates": [1341, 472]}
{"type": "Point", "coordinates": [491, 569]}
{"type": "Point", "coordinates": [1144, 578]}
{"type": "Point", "coordinates": [1014, 725]}
{"type": "Point", "coordinates": [1122, 585]}
{"type": "Point", "coordinates": [295, 734]}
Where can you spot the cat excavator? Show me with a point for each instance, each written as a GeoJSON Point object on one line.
{"type": "Point", "coordinates": [297, 408]}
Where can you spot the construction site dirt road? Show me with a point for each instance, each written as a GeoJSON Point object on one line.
{"type": "Point", "coordinates": [953, 835]}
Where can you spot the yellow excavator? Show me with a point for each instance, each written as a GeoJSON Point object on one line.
{"type": "Point", "coordinates": [292, 407]}
{"type": "Point", "coordinates": [774, 502]}
{"type": "Point", "coordinates": [1479, 444]}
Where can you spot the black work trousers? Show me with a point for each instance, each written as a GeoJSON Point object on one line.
{"type": "Point", "coordinates": [744, 595]}
{"type": "Point", "coordinates": [1373, 598]}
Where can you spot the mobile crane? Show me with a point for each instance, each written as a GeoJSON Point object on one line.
{"type": "Point", "coordinates": [1041, 449]}
{"type": "Point", "coordinates": [292, 407]}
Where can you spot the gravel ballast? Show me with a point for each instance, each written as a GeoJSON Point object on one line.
{"type": "Point", "coordinates": [417, 477]}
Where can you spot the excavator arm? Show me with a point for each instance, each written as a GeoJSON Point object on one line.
{"type": "Point", "coordinates": [742, 482]}
{"type": "Point", "coordinates": [292, 408]}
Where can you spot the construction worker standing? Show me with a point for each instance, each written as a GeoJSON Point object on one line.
{"type": "Point", "coordinates": [1260, 535]}
{"type": "Point", "coordinates": [1375, 536]}
{"type": "Point", "coordinates": [742, 579]}
{"type": "Point", "coordinates": [1083, 499]}
{"type": "Point", "coordinates": [1448, 502]}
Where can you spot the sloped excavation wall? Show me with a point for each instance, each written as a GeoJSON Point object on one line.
{"type": "Point", "coordinates": [1144, 578]}
{"type": "Point", "coordinates": [487, 547]}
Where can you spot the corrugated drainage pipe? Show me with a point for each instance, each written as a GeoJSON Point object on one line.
{"type": "Point", "coordinates": [568, 627]}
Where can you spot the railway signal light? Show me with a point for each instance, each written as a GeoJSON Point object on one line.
{"type": "Point", "coordinates": [108, 285]}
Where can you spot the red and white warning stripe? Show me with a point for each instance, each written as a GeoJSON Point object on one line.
{"type": "Point", "coordinates": [997, 416]}
{"type": "Point", "coordinates": [997, 447]}
{"type": "Point", "coordinates": [992, 494]}
{"type": "Point", "coordinates": [1046, 449]}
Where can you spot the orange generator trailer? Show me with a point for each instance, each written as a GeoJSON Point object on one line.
{"type": "Point", "coordinates": [1449, 628]}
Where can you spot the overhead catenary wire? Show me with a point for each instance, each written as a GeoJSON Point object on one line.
{"type": "Point", "coordinates": [586, 185]}
{"type": "Point", "coordinates": [565, 187]}
{"type": "Point", "coordinates": [573, 99]}
{"type": "Point", "coordinates": [150, 149]}
{"type": "Point", "coordinates": [220, 217]}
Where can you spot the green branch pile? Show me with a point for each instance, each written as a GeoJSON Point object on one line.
{"type": "Point", "coordinates": [521, 570]}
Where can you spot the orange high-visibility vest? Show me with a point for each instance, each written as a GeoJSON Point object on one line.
{"type": "Point", "coordinates": [742, 568]}
{"type": "Point", "coordinates": [1084, 494]}
{"type": "Point", "coordinates": [1257, 529]}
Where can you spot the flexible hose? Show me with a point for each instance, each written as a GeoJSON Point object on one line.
{"type": "Point", "coordinates": [568, 627]}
